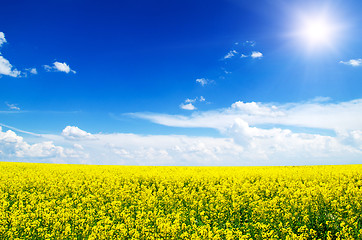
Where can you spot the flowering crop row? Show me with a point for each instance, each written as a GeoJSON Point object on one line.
{"type": "Point", "coordinates": [49, 201]}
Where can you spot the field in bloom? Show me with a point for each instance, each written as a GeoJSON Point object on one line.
{"type": "Point", "coordinates": [50, 201]}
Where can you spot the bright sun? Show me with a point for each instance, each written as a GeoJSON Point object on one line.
{"type": "Point", "coordinates": [317, 31]}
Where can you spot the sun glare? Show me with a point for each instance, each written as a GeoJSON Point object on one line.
{"type": "Point", "coordinates": [317, 30]}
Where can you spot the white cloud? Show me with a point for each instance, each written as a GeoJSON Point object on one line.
{"type": "Point", "coordinates": [187, 106]}
{"type": "Point", "coordinates": [288, 146]}
{"type": "Point", "coordinates": [251, 134]}
{"type": "Point", "coordinates": [240, 49]}
{"type": "Point", "coordinates": [32, 70]}
{"type": "Point", "coordinates": [63, 67]}
{"type": "Point", "coordinates": [47, 68]}
{"type": "Point", "coordinates": [353, 62]}
{"type": "Point", "coordinates": [272, 145]}
{"type": "Point", "coordinates": [75, 133]}
{"type": "Point", "coordinates": [250, 43]}
{"type": "Point", "coordinates": [188, 100]}
{"type": "Point", "coordinates": [241, 145]}
{"type": "Point", "coordinates": [12, 106]}
{"type": "Point", "coordinates": [118, 148]}
{"type": "Point", "coordinates": [59, 67]}
{"type": "Point", "coordinates": [230, 54]}
{"type": "Point", "coordinates": [204, 81]}
{"type": "Point", "coordinates": [7, 69]}
{"type": "Point", "coordinates": [13, 147]}
{"type": "Point", "coordinates": [255, 54]}
{"type": "Point", "coordinates": [189, 103]}
{"type": "Point", "coordinates": [2, 38]}
{"type": "Point", "coordinates": [319, 115]}
{"type": "Point", "coordinates": [320, 99]}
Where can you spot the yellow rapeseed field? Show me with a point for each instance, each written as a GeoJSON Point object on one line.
{"type": "Point", "coordinates": [51, 201]}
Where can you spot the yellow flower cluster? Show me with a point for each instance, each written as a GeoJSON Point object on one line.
{"type": "Point", "coordinates": [49, 201]}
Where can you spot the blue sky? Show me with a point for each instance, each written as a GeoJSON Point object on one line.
{"type": "Point", "coordinates": [181, 82]}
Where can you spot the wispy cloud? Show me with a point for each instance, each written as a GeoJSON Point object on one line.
{"type": "Point", "coordinates": [188, 100]}
{"type": "Point", "coordinates": [59, 67]}
{"type": "Point", "coordinates": [32, 70]}
{"type": "Point", "coordinates": [241, 49]}
{"type": "Point", "coordinates": [353, 62]}
{"type": "Point", "coordinates": [250, 43]}
{"type": "Point", "coordinates": [204, 81]}
{"type": "Point", "coordinates": [19, 130]}
{"type": "Point", "coordinates": [342, 116]}
{"type": "Point", "coordinates": [12, 106]}
{"type": "Point", "coordinates": [189, 104]}
{"type": "Point", "coordinates": [230, 54]}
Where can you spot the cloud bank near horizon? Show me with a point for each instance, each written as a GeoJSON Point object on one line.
{"type": "Point", "coordinates": [245, 141]}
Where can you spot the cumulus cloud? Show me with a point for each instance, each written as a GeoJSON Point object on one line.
{"type": "Point", "coordinates": [59, 67]}
{"type": "Point", "coordinates": [255, 54]}
{"type": "Point", "coordinates": [2, 38]}
{"type": "Point", "coordinates": [14, 147]}
{"type": "Point", "coordinates": [7, 69]}
{"type": "Point", "coordinates": [353, 62]}
{"type": "Point", "coordinates": [251, 133]}
{"type": "Point", "coordinates": [187, 106]}
{"type": "Point", "coordinates": [75, 133]}
{"type": "Point", "coordinates": [171, 149]}
{"type": "Point", "coordinates": [252, 127]}
{"type": "Point", "coordinates": [285, 144]}
{"type": "Point", "coordinates": [119, 148]}
{"type": "Point", "coordinates": [241, 144]}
